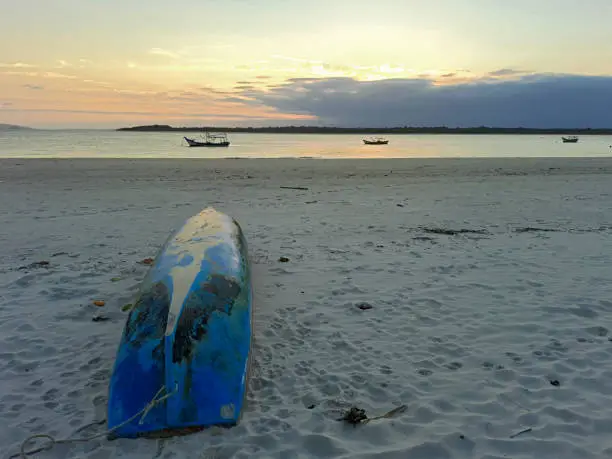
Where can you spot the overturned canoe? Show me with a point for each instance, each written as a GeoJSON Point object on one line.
{"type": "Point", "coordinates": [187, 341]}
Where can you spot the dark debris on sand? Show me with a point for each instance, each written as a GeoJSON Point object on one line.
{"type": "Point", "coordinates": [454, 232]}
{"type": "Point", "coordinates": [354, 416]}
{"type": "Point", "coordinates": [531, 229]}
{"type": "Point", "coordinates": [99, 318]}
{"type": "Point", "coordinates": [36, 264]}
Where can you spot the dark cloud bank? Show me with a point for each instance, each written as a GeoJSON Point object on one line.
{"type": "Point", "coordinates": [534, 101]}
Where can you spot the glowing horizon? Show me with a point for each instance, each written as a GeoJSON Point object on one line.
{"type": "Point", "coordinates": [149, 62]}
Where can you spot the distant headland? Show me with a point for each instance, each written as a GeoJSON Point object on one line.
{"type": "Point", "coordinates": [13, 127]}
{"type": "Point", "coordinates": [365, 130]}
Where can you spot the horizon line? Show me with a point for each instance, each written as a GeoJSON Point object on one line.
{"type": "Point", "coordinates": [314, 128]}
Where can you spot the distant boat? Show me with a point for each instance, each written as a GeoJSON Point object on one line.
{"type": "Point", "coordinates": [210, 140]}
{"type": "Point", "coordinates": [570, 139]}
{"type": "Point", "coordinates": [375, 141]}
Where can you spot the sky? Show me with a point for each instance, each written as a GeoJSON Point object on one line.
{"type": "Point", "coordinates": [114, 63]}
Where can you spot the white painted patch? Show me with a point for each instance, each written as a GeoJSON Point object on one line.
{"type": "Point", "coordinates": [199, 233]}
{"type": "Point", "coordinates": [228, 411]}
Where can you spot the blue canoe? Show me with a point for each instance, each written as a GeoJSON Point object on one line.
{"type": "Point", "coordinates": [187, 340]}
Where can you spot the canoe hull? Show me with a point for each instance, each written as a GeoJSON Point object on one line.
{"type": "Point", "coordinates": [188, 336]}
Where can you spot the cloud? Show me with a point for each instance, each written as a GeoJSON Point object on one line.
{"type": "Point", "coordinates": [507, 72]}
{"type": "Point", "coordinates": [538, 100]}
{"type": "Point", "coordinates": [213, 114]}
{"type": "Point", "coordinates": [33, 86]}
{"type": "Point", "coordinates": [134, 92]}
{"type": "Point", "coordinates": [263, 77]}
{"type": "Point", "coordinates": [383, 68]}
{"type": "Point", "coordinates": [81, 63]}
{"type": "Point", "coordinates": [285, 65]}
{"type": "Point", "coordinates": [17, 65]}
{"type": "Point", "coordinates": [20, 73]}
{"type": "Point", "coordinates": [58, 75]}
{"type": "Point", "coordinates": [236, 100]}
{"type": "Point", "coordinates": [164, 52]}
{"type": "Point", "coordinates": [210, 90]}
{"type": "Point", "coordinates": [304, 80]}
{"type": "Point", "coordinates": [180, 65]}
{"type": "Point", "coordinates": [103, 84]}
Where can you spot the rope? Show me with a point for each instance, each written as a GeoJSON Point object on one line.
{"type": "Point", "coordinates": [52, 441]}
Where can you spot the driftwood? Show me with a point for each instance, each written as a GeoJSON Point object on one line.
{"type": "Point", "coordinates": [521, 432]}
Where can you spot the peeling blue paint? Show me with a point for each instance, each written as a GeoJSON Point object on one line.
{"type": "Point", "coordinates": [190, 331]}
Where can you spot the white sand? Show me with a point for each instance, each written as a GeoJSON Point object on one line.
{"type": "Point", "coordinates": [467, 330]}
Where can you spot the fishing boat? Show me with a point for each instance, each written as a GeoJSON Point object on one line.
{"type": "Point", "coordinates": [210, 140]}
{"type": "Point", "coordinates": [375, 141]}
{"type": "Point", "coordinates": [570, 139]}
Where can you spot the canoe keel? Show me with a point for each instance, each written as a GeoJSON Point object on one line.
{"type": "Point", "coordinates": [187, 340]}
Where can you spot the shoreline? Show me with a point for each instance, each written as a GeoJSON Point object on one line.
{"type": "Point", "coordinates": [262, 172]}
{"type": "Point", "coordinates": [447, 159]}
{"type": "Point", "coordinates": [605, 160]}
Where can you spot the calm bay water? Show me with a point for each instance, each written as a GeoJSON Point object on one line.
{"type": "Point", "coordinates": [113, 144]}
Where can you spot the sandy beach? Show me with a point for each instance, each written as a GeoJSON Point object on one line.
{"type": "Point", "coordinates": [477, 292]}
